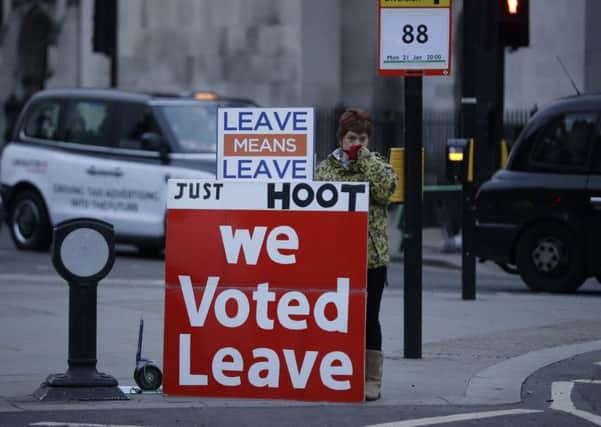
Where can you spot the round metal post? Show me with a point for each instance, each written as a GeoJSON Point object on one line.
{"type": "Point", "coordinates": [83, 253]}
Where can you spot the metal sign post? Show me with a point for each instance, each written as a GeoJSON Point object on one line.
{"type": "Point", "coordinates": [414, 38]}
{"type": "Point", "coordinates": [413, 216]}
{"type": "Point", "coordinates": [83, 253]}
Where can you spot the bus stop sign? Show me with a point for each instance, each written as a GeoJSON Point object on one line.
{"type": "Point", "coordinates": [414, 37]}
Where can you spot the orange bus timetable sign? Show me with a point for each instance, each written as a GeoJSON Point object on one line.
{"type": "Point", "coordinates": [265, 144]}
{"type": "Point", "coordinates": [414, 37]}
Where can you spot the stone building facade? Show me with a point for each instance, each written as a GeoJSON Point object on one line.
{"type": "Point", "coordinates": [277, 52]}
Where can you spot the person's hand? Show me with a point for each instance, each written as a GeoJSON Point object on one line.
{"type": "Point", "coordinates": [352, 151]}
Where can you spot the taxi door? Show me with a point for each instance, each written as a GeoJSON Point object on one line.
{"type": "Point", "coordinates": [81, 170]}
{"type": "Point", "coordinates": [106, 173]}
{"type": "Point", "coordinates": [136, 201]}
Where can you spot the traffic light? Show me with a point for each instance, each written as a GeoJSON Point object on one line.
{"type": "Point", "coordinates": [460, 160]}
{"type": "Point", "coordinates": [104, 38]}
{"type": "Point", "coordinates": [513, 20]}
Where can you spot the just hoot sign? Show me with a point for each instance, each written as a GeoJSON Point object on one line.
{"type": "Point", "coordinates": [265, 290]}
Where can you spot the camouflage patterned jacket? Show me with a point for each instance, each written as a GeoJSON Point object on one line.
{"type": "Point", "coordinates": [372, 168]}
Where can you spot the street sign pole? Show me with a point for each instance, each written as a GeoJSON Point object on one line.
{"type": "Point", "coordinates": [414, 40]}
{"type": "Point", "coordinates": [468, 225]}
{"type": "Point", "coordinates": [412, 236]}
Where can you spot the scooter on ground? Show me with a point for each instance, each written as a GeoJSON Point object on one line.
{"type": "Point", "coordinates": [147, 375]}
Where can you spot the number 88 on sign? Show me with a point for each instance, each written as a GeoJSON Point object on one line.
{"type": "Point", "coordinates": [414, 37]}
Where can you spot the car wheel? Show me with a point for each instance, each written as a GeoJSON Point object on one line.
{"type": "Point", "coordinates": [28, 222]}
{"type": "Point", "coordinates": [549, 259]}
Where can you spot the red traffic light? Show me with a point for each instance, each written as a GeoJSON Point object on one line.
{"type": "Point", "coordinates": [512, 6]}
{"type": "Point", "coordinates": [513, 22]}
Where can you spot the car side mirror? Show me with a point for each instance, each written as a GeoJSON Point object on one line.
{"type": "Point", "coordinates": [152, 141]}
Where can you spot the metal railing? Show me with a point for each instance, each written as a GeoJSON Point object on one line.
{"type": "Point", "coordinates": [389, 132]}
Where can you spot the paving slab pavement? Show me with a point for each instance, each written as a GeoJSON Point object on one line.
{"type": "Point", "coordinates": [483, 364]}
{"type": "Point", "coordinates": [474, 352]}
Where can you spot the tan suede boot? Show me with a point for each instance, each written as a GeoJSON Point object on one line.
{"type": "Point", "coordinates": [373, 374]}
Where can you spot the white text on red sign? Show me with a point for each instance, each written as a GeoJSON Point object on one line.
{"type": "Point", "coordinates": [292, 310]}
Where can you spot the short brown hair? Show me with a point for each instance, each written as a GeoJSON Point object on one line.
{"type": "Point", "coordinates": [354, 120]}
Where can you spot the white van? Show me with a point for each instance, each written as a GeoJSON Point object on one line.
{"type": "Point", "coordinates": [104, 154]}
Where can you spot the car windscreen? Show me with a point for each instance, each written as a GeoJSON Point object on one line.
{"type": "Point", "coordinates": [194, 125]}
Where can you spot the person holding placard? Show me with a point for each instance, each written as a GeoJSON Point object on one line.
{"type": "Point", "coordinates": [352, 161]}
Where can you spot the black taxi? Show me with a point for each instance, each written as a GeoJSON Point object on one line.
{"type": "Point", "coordinates": [541, 214]}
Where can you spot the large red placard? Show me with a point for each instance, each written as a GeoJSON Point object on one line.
{"type": "Point", "coordinates": [265, 303]}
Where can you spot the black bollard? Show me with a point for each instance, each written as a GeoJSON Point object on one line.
{"type": "Point", "coordinates": [83, 253]}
